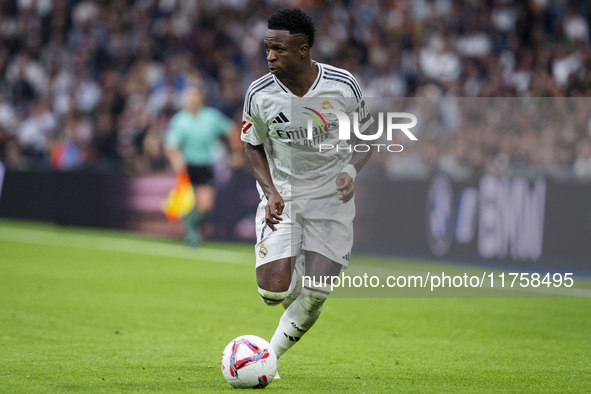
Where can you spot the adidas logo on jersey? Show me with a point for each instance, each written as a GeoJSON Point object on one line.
{"type": "Point", "coordinates": [281, 118]}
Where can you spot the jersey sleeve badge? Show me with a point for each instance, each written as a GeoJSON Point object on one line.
{"type": "Point", "coordinates": [246, 123]}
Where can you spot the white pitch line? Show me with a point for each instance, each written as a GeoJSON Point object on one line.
{"type": "Point", "coordinates": [111, 244]}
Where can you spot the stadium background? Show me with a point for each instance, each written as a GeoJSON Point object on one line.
{"type": "Point", "coordinates": [87, 88]}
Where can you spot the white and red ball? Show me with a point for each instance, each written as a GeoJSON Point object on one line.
{"type": "Point", "coordinates": [249, 362]}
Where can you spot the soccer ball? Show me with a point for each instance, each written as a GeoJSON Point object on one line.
{"type": "Point", "coordinates": [248, 362]}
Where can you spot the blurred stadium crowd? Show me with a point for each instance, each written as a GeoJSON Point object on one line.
{"type": "Point", "coordinates": [93, 83]}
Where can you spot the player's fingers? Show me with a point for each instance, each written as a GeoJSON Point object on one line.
{"type": "Point", "coordinates": [275, 213]}
{"type": "Point", "coordinates": [271, 217]}
{"type": "Point", "coordinates": [271, 222]}
{"type": "Point", "coordinates": [345, 199]}
{"type": "Point", "coordinates": [346, 195]}
{"type": "Point", "coordinates": [345, 183]}
{"type": "Point", "coordinates": [346, 189]}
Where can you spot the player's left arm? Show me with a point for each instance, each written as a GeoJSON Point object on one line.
{"type": "Point", "coordinates": [346, 179]}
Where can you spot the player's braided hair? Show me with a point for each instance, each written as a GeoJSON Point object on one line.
{"type": "Point", "coordinates": [293, 20]}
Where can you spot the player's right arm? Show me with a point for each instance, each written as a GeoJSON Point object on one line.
{"type": "Point", "coordinates": [254, 134]}
{"type": "Point", "coordinates": [257, 160]}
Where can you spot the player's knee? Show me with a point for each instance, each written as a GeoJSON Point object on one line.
{"type": "Point", "coordinates": [272, 298]}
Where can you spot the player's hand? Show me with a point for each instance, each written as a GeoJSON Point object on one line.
{"type": "Point", "coordinates": [273, 211]}
{"type": "Point", "coordinates": [345, 187]}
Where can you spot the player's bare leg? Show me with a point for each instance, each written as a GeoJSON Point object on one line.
{"type": "Point", "coordinates": [301, 315]}
{"type": "Point", "coordinates": [274, 279]}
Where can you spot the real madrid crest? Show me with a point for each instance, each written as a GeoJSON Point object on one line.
{"type": "Point", "coordinates": [262, 251]}
{"type": "Point", "coordinates": [325, 106]}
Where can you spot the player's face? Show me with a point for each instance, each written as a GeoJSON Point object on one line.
{"type": "Point", "coordinates": [285, 52]}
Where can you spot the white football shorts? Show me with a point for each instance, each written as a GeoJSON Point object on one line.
{"type": "Point", "coordinates": [323, 225]}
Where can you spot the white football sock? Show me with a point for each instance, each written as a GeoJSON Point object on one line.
{"type": "Point", "coordinates": [298, 318]}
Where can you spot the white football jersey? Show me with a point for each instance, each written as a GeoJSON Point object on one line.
{"type": "Point", "coordinates": [304, 167]}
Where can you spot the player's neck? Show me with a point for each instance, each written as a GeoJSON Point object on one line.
{"type": "Point", "coordinates": [300, 84]}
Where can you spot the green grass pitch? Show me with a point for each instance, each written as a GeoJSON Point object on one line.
{"type": "Point", "coordinates": [98, 311]}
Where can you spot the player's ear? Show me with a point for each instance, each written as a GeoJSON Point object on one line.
{"type": "Point", "coordinates": [304, 49]}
